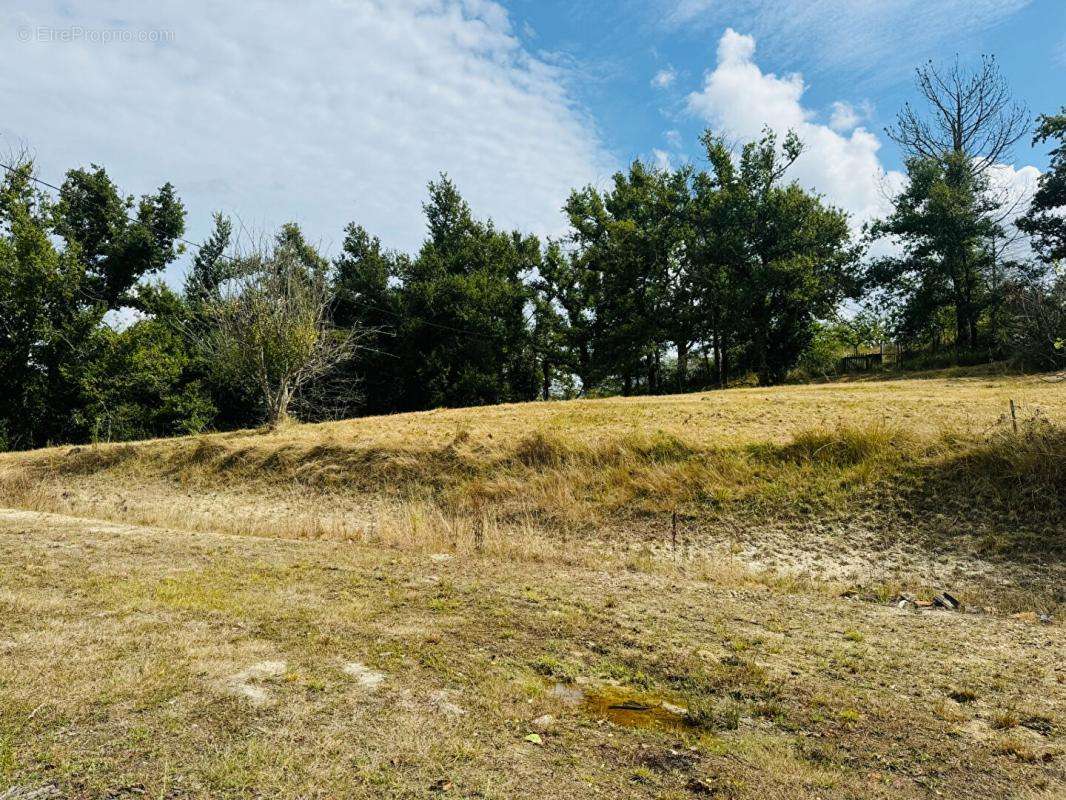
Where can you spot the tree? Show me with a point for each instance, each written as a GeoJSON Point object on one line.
{"type": "Point", "coordinates": [1046, 220]}
{"type": "Point", "coordinates": [270, 329]}
{"type": "Point", "coordinates": [567, 290]}
{"type": "Point", "coordinates": [463, 339]}
{"type": "Point", "coordinates": [65, 264]}
{"type": "Point", "coordinates": [39, 311]}
{"type": "Point", "coordinates": [1036, 323]}
{"type": "Point", "coordinates": [948, 217]}
{"type": "Point", "coordinates": [944, 220]}
{"type": "Point", "coordinates": [147, 379]}
{"type": "Point", "coordinates": [211, 267]}
{"type": "Point", "coordinates": [116, 240]}
{"type": "Point", "coordinates": [368, 297]}
{"type": "Point", "coordinates": [633, 253]}
{"type": "Point", "coordinates": [970, 114]}
{"type": "Point", "coordinates": [776, 254]}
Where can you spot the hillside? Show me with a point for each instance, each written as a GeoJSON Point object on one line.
{"type": "Point", "coordinates": [855, 481]}
{"type": "Point", "coordinates": [649, 597]}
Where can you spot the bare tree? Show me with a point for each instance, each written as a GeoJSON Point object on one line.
{"type": "Point", "coordinates": [971, 113]}
{"type": "Point", "coordinates": [270, 328]}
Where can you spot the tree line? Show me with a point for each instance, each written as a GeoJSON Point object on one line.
{"type": "Point", "coordinates": [668, 280]}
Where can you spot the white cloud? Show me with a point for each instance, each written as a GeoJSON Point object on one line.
{"type": "Point", "coordinates": [661, 159]}
{"type": "Point", "coordinates": [1013, 188]}
{"type": "Point", "coordinates": [664, 78]}
{"type": "Point", "coordinates": [673, 138]}
{"type": "Point", "coordinates": [338, 111]}
{"type": "Point", "coordinates": [846, 117]}
{"type": "Point", "coordinates": [738, 99]}
{"type": "Point", "coordinates": [877, 40]}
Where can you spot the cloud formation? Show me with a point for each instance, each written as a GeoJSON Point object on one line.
{"type": "Point", "coordinates": [845, 116]}
{"type": "Point", "coordinates": [841, 158]}
{"type": "Point", "coordinates": [877, 40]}
{"type": "Point", "coordinates": [664, 78]}
{"type": "Point", "coordinates": [738, 99]}
{"type": "Point", "coordinates": [329, 113]}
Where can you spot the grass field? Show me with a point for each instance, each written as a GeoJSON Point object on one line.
{"type": "Point", "coordinates": [660, 597]}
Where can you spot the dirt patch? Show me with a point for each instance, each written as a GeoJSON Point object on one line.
{"type": "Point", "coordinates": [369, 679]}
{"type": "Point", "coordinates": [249, 685]}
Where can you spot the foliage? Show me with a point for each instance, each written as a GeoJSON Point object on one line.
{"type": "Point", "coordinates": [948, 220]}
{"type": "Point", "coordinates": [65, 264]}
{"type": "Point", "coordinates": [734, 263]}
{"type": "Point", "coordinates": [1036, 325]}
{"type": "Point", "coordinates": [1046, 220]}
{"type": "Point", "coordinates": [667, 280]}
{"type": "Point", "coordinates": [269, 330]}
{"type": "Point", "coordinates": [944, 220]}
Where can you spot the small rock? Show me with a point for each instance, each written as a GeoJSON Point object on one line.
{"type": "Point", "coordinates": [544, 723]}
{"type": "Point", "coordinates": [440, 558]}
{"type": "Point", "coordinates": [945, 601]}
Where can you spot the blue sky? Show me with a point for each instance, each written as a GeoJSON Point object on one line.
{"type": "Point", "coordinates": [338, 110]}
{"type": "Point", "coordinates": [862, 52]}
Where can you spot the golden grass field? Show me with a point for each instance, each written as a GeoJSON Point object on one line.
{"type": "Point", "coordinates": [647, 597]}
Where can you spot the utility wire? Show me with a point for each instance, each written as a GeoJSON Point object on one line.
{"type": "Point", "coordinates": [200, 246]}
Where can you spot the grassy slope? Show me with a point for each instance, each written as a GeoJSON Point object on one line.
{"type": "Point", "coordinates": [903, 470]}
{"type": "Point", "coordinates": [122, 647]}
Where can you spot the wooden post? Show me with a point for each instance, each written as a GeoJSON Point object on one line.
{"type": "Point", "coordinates": [479, 532]}
{"type": "Point", "coordinates": [673, 529]}
{"type": "Point", "coordinates": [1014, 416]}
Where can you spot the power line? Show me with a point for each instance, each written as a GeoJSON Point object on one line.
{"type": "Point", "coordinates": [200, 246]}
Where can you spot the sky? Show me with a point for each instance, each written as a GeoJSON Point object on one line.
{"type": "Point", "coordinates": [327, 112]}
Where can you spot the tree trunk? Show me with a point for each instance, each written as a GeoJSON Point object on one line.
{"type": "Point", "coordinates": [682, 366]}
{"type": "Point", "coordinates": [278, 406]}
{"type": "Point", "coordinates": [719, 359]}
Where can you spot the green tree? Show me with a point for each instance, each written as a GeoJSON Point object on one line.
{"type": "Point", "coordinates": [1046, 220]}
{"type": "Point", "coordinates": [945, 221]}
{"type": "Point", "coordinates": [270, 330]}
{"type": "Point", "coordinates": [632, 240]}
{"type": "Point", "coordinates": [464, 339]}
{"type": "Point", "coordinates": [367, 296]}
{"type": "Point", "coordinates": [147, 379]}
{"type": "Point", "coordinates": [211, 266]}
{"type": "Point", "coordinates": [948, 218]}
{"type": "Point", "coordinates": [776, 254]}
{"type": "Point", "coordinates": [65, 264]}
{"type": "Point", "coordinates": [567, 290]}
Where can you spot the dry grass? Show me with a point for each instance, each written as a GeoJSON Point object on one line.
{"type": "Point", "coordinates": [476, 557]}
{"type": "Point", "coordinates": [151, 662]}
{"type": "Point", "coordinates": [919, 476]}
